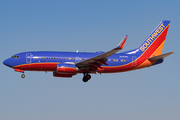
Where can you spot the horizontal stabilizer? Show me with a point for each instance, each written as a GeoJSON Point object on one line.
{"type": "Point", "coordinates": [160, 56]}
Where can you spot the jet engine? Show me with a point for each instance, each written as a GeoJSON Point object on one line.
{"type": "Point", "coordinates": [55, 74]}
{"type": "Point", "coordinates": [65, 70]}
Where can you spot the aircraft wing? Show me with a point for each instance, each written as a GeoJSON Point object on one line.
{"type": "Point", "coordinates": [96, 62]}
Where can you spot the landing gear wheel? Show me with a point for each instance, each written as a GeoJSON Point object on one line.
{"type": "Point", "coordinates": [86, 77]}
{"type": "Point", "coordinates": [23, 76]}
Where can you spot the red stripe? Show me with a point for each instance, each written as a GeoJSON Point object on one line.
{"type": "Point", "coordinates": [38, 67]}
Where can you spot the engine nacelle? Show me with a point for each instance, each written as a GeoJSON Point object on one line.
{"type": "Point", "coordinates": [66, 68]}
{"type": "Point", "coordinates": [55, 74]}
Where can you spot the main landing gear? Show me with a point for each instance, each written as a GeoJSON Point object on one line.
{"type": "Point", "coordinates": [86, 77]}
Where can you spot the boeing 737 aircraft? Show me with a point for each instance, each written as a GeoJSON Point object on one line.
{"type": "Point", "coordinates": [67, 64]}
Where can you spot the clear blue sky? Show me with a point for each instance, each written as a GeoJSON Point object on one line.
{"type": "Point", "coordinates": [89, 26]}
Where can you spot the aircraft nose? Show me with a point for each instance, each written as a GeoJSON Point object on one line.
{"type": "Point", "coordinates": [6, 62]}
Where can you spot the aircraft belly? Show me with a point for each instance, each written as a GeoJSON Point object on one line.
{"type": "Point", "coordinates": [115, 69]}
{"type": "Point", "coordinates": [38, 67]}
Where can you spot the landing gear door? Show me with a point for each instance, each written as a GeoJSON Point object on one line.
{"type": "Point", "coordinates": [28, 58]}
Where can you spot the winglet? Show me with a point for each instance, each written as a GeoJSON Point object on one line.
{"type": "Point", "coordinates": [121, 44]}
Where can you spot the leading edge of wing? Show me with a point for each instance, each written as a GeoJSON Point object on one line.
{"type": "Point", "coordinates": [103, 56]}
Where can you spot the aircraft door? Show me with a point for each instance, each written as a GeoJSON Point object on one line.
{"type": "Point", "coordinates": [134, 62]}
{"type": "Point", "coordinates": [28, 58]}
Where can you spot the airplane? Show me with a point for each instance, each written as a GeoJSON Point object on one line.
{"type": "Point", "coordinates": [68, 64]}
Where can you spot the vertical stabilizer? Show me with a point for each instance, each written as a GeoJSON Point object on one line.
{"type": "Point", "coordinates": [153, 45]}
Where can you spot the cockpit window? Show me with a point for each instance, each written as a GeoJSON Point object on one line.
{"type": "Point", "coordinates": [14, 56]}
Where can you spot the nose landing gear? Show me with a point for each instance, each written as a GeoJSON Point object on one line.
{"type": "Point", "coordinates": [86, 77]}
{"type": "Point", "coordinates": [22, 71]}
{"type": "Point", "coordinates": [23, 75]}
